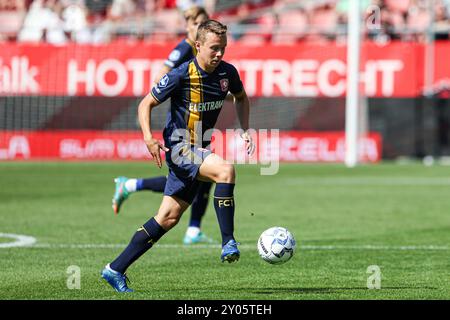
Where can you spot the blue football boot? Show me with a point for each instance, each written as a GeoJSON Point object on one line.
{"type": "Point", "coordinates": [230, 252]}
{"type": "Point", "coordinates": [120, 195]}
{"type": "Point", "coordinates": [117, 280]}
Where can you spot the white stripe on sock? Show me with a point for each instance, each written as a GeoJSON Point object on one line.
{"type": "Point", "coordinates": [131, 185]}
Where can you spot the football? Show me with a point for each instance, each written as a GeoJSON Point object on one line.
{"type": "Point", "coordinates": [276, 245]}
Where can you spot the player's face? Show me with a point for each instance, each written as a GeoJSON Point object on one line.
{"type": "Point", "coordinates": [192, 26]}
{"type": "Point", "coordinates": [211, 52]}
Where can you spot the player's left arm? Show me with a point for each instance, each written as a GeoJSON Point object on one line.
{"type": "Point", "coordinates": [242, 105]}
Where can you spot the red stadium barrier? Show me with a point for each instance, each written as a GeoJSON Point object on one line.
{"type": "Point", "coordinates": [122, 69]}
{"type": "Point", "coordinates": [291, 146]}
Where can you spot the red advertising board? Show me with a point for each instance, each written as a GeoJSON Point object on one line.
{"type": "Point", "coordinates": [395, 69]}
{"type": "Point", "coordinates": [284, 146]}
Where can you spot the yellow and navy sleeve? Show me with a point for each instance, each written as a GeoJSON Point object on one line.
{"type": "Point", "coordinates": [167, 85]}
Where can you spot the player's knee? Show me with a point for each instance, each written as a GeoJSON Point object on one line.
{"type": "Point", "coordinates": [226, 174]}
{"type": "Point", "coordinates": [171, 222]}
{"type": "Point", "coordinates": [168, 219]}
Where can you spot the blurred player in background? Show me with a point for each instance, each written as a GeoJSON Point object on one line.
{"type": "Point", "coordinates": [197, 90]}
{"type": "Point", "coordinates": [183, 52]}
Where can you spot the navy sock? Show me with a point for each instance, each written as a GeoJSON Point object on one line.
{"type": "Point", "coordinates": [143, 239]}
{"type": "Point", "coordinates": [156, 184]}
{"type": "Point", "coordinates": [224, 205]}
{"type": "Point", "coordinates": [198, 207]}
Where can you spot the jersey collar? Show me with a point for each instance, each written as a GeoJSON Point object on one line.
{"type": "Point", "coordinates": [203, 72]}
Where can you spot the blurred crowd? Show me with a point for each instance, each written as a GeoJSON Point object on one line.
{"type": "Point", "coordinates": [251, 21]}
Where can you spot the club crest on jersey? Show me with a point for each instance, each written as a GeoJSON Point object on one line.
{"type": "Point", "coordinates": [224, 85]}
{"type": "Point", "coordinates": [164, 81]}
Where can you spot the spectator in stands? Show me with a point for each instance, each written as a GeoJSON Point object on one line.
{"type": "Point", "coordinates": [441, 20]}
{"type": "Point", "coordinates": [74, 16]}
{"type": "Point", "coordinates": [292, 25]}
{"type": "Point", "coordinates": [98, 9]}
{"type": "Point", "coordinates": [55, 25]}
{"type": "Point", "coordinates": [418, 20]}
{"type": "Point", "coordinates": [121, 9]}
{"type": "Point", "coordinates": [398, 6]}
{"type": "Point", "coordinates": [261, 30]}
{"type": "Point", "coordinates": [377, 23]}
{"type": "Point", "coordinates": [168, 26]}
{"type": "Point", "coordinates": [12, 13]}
{"type": "Point", "coordinates": [33, 26]}
{"type": "Point", "coordinates": [43, 23]}
{"type": "Point", "coordinates": [323, 19]}
{"type": "Point", "coordinates": [100, 28]}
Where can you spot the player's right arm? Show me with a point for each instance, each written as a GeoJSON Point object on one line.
{"type": "Point", "coordinates": [160, 92]}
{"type": "Point", "coordinates": [144, 114]}
{"type": "Point", "coordinates": [165, 69]}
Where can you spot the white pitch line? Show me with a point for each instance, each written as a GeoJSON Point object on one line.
{"type": "Point", "coordinates": [23, 241]}
{"type": "Point", "coordinates": [244, 246]}
{"type": "Point", "coordinates": [20, 240]}
{"type": "Point", "coordinates": [369, 181]}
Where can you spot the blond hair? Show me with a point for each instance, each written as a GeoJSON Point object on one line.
{"type": "Point", "coordinates": [212, 26]}
{"type": "Point", "coordinates": [194, 12]}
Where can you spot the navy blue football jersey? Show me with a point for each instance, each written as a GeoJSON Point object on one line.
{"type": "Point", "coordinates": [183, 52]}
{"type": "Point", "coordinates": [195, 96]}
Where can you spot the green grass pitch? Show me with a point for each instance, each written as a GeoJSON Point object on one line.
{"type": "Point", "coordinates": [396, 217]}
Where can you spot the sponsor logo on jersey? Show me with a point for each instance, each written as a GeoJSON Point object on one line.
{"type": "Point", "coordinates": [202, 150]}
{"type": "Point", "coordinates": [174, 55]}
{"type": "Point", "coordinates": [205, 106]}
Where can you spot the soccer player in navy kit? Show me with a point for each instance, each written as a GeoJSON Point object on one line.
{"type": "Point", "coordinates": [183, 52]}
{"type": "Point", "coordinates": [197, 90]}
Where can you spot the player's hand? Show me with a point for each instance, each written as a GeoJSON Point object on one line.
{"type": "Point", "coordinates": [249, 144]}
{"type": "Point", "coordinates": [153, 146]}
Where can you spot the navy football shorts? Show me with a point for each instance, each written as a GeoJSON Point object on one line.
{"type": "Point", "coordinates": [184, 162]}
